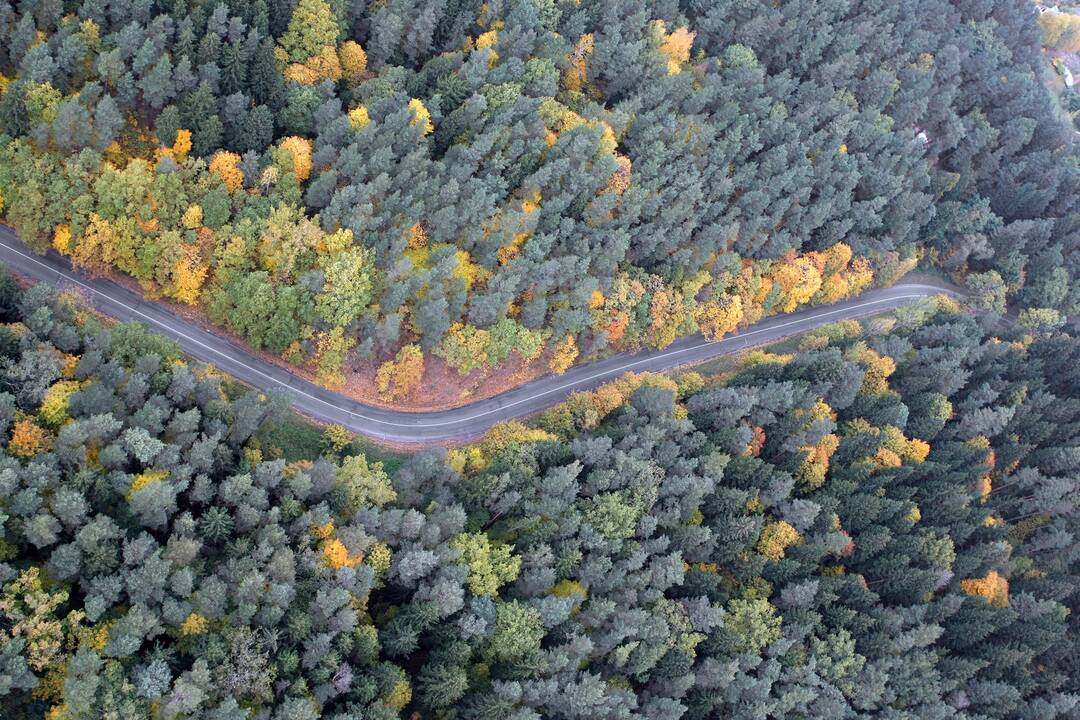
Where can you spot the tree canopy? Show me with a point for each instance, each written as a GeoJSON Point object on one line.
{"type": "Point", "coordinates": [617, 172]}
{"type": "Point", "coordinates": [879, 524]}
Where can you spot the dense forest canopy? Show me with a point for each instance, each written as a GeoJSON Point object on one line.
{"type": "Point", "coordinates": [880, 525]}
{"type": "Point", "coordinates": [408, 178]}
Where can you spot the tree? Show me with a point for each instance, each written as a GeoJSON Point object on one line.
{"type": "Point", "coordinates": [490, 566]}
{"type": "Point", "coordinates": [775, 538]}
{"type": "Point", "coordinates": [361, 484]}
{"type": "Point", "coordinates": [299, 150]}
{"type": "Point", "coordinates": [675, 47]}
{"type": "Point", "coordinates": [189, 274]}
{"type": "Point", "coordinates": [311, 27]}
{"type": "Point", "coordinates": [54, 408]}
{"type": "Point", "coordinates": [988, 291]}
{"type": "Point", "coordinates": [575, 76]}
{"type": "Point", "coordinates": [353, 61]}
{"type": "Point", "coordinates": [401, 376]}
{"type": "Point", "coordinates": [421, 116]}
{"type": "Point", "coordinates": [1041, 319]}
{"type": "Point", "coordinates": [359, 118]}
{"type": "Point", "coordinates": [464, 348]}
{"type": "Point", "coordinates": [518, 631]}
{"type": "Point", "coordinates": [29, 611]}
{"type": "Point", "coordinates": [564, 356]}
{"type": "Point", "coordinates": [719, 317]}
{"type": "Point", "coordinates": [349, 272]}
{"type": "Point", "coordinates": [797, 279]}
{"type": "Point", "coordinates": [336, 438]}
{"type": "Point", "coordinates": [96, 251]}
{"type": "Point", "coordinates": [331, 350]}
{"type": "Point", "coordinates": [181, 146]}
{"type": "Point", "coordinates": [751, 624]}
{"type": "Point", "coordinates": [157, 85]}
{"type": "Point", "coordinates": [1060, 30]}
{"type": "Point", "coordinates": [225, 165]}
{"type": "Point", "coordinates": [993, 588]}
{"type": "Point", "coordinates": [442, 686]}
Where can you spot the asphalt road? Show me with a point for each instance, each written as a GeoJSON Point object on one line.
{"type": "Point", "coordinates": [444, 425]}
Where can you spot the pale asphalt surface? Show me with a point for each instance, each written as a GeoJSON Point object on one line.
{"type": "Point", "coordinates": [444, 425]}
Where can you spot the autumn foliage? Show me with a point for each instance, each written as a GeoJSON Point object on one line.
{"type": "Point", "coordinates": [300, 150]}
{"type": "Point", "coordinates": [718, 317]}
{"type": "Point", "coordinates": [225, 165]}
{"type": "Point", "coordinates": [775, 538]}
{"type": "Point", "coordinates": [564, 355]}
{"type": "Point", "coordinates": [28, 439]}
{"type": "Point", "coordinates": [675, 47]}
{"type": "Point", "coordinates": [401, 376]}
{"type": "Point", "coordinates": [993, 588]}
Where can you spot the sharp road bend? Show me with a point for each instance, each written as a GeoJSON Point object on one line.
{"type": "Point", "coordinates": [440, 426]}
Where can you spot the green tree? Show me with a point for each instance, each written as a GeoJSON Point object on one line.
{"type": "Point", "coordinates": [518, 632]}
{"type": "Point", "coordinates": [361, 484]}
{"type": "Point", "coordinates": [490, 566]}
{"type": "Point", "coordinates": [311, 28]}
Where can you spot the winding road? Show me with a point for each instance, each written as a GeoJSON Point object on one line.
{"type": "Point", "coordinates": [441, 426]}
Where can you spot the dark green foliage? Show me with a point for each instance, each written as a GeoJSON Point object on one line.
{"type": "Point", "coordinates": [663, 561]}
{"type": "Point", "coordinates": [776, 128]}
{"type": "Point", "coordinates": [164, 541]}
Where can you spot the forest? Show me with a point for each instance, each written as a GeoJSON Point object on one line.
{"type": "Point", "coordinates": [462, 182]}
{"type": "Point", "coordinates": [877, 521]}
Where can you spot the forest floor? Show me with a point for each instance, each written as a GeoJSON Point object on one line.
{"type": "Point", "coordinates": [442, 387]}
{"type": "Point", "coordinates": [300, 438]}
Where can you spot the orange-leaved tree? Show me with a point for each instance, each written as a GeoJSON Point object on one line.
{"type": "Point", "coordinates": [226, 165]}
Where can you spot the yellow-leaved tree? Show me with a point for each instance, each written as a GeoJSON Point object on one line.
{"type": "Point", "coordinates": [719, 316]}
{"type": "Point", "coordinates": [576, 73]}
{"type": "Point", "coordinates": [189, 274]}
{"type": "Point", "coordinates": [54, 408]}
{"type": "Point", "coordinates": [180, 148]}
{"type": "Point", "coordinates": [323, 65]}
{"type": "Point", "coordinates": [96, 251]}
{"type": "Point", "coordinates": [300, 150]}
{"type": "Point", "coordinates": [353, 61]}
{"type": "Point", "coordinates": [878, 368]}
{"type": "Point", "coordinates": [359, 118]}
{"type": "Point", "coordinates": [421, 116]}
{"type": "Point", "coordinates": [993, 588]}
{"type": "Point", "coordinates": [675, 46]}
{"type": "Point", "coordinates": [798, 279]}
{"type": "Point", "coordinates": [331, 351]}
{"type": "Point", "coordinates": [62, 239]}
{"type": "Point", "coordinates": [776, 537]}
{"type": "Point", "coordinates": [566, 352]}
{"type": "Point", "coordinates": [400, 376]}
{"type": "Point", "coordinates": [226, 165]}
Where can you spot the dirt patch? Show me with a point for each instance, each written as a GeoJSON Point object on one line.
{"type": "Point", "coordinates": [442, 387]}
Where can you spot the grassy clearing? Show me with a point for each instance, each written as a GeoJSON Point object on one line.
{"type": "Point", "coordinates": [729, 363]}
{"type": "Point", "coordinates": [297, 438]}
{"type": "Point", "coordinates": [391, 459]}
{"type": "Point", "coordinates": [300, 439]}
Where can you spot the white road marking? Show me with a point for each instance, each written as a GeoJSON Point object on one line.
{"type": "Point", "coordinates": [469, 418]}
